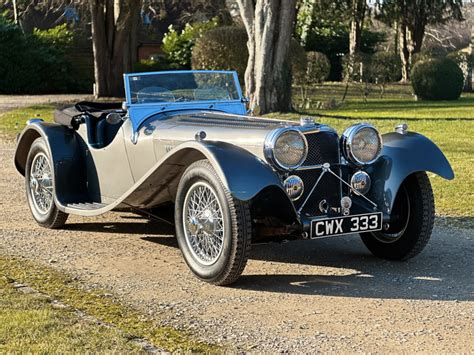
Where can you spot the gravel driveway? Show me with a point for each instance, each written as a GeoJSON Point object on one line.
{"type": "Point", "coordinates": [10, 102]}
{"type": "Point", "coordinates": [307, 296]}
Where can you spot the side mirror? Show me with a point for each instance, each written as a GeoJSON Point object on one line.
{"type": "Point", "coordinates": [113, 118]}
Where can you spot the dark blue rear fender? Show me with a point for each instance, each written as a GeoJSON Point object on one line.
{"type": "Point", "coordinates": [403, 155]}
{"type": "Point", "coordinates": [66, 154]}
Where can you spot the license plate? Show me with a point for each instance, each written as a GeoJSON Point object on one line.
{"type": "Point", "coordinates": [321, 228]}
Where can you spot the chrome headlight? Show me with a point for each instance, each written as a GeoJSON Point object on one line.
{"type": "Point", "coordinates": [287, 148]}
{"type": "Point", "coordinates": [361, 144]}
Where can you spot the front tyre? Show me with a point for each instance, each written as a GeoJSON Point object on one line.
{"type": "Point", "coordinates": [409, 233]}
{"type": "Point", "coordinates": [214, 230]}
{"type": "Point", "coordinates": [40, 187]}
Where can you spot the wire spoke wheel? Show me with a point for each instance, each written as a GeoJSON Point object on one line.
{"type": "Point", "coordinates": [214, 229]}
{"type": "Point", "coordinates": [203, 223]}
{"type": "Point", "coordinates": [40, 184]}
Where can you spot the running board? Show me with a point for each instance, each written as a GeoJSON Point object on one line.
{"type": "Point", "coordinates": [86, 206]}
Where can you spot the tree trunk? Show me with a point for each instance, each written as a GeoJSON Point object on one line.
{"type": "Point", "coordinates": [269, 25]}
{"type": "Point", "coordinates": [417, 28]}
{"type": "Point", "coordinates": [355, 33]}
{"type": "Point", "coordinates": [113, 27]}
{"type": "Point", "coordinates": [417, 35]}
{"type": "Point", "coordinates": [468, 82]}
{"type": "Point", "coordinates": [404, 53]}
{"type": "Point", "coordinates": [358, 10]}
{"type": "Point", "coordinates": [307, 6]}
{"type": "Point", "coordinates": [15, 12]}
{"type": "Point", "coordinates": [396, 40]}
{"type": "Point", "coordinates": [354, 41]}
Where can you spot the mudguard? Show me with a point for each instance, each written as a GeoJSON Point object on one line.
{"type": "Point", "coordinates": [241, 172]}
{"type": "Point", "coordinates": [66, 155]}
{"type": "Point", "coordinates": [403, 155]}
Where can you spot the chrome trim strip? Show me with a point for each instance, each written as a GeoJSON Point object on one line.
{"type": "Point", "coordinates": [33, 120]}
{"type": "Point", "coordinates": [310, 167]}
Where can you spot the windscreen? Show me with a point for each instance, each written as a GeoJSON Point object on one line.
{"type": "Point", "coordinates": [182, 87]}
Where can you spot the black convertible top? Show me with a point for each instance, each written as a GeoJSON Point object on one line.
{"type": "Point", "coordinates": [66, 114]}
{"type": "Point", "coordinates": [89, 106]}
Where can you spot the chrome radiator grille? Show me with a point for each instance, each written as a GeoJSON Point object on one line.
{"type": "Point", "coordinates": [323, 147]}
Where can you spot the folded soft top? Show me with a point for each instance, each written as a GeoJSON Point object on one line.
{"type": "Point", "coordinates": [98, 110]}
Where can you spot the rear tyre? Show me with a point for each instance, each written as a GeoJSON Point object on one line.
{"type": "Point", "coordinates": [40, 187]}
{"type": "Point", "coordinates": [409, 233]}
{"type": "Point", "coordinates": [214, 230]}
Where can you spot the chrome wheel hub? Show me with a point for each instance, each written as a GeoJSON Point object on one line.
{"type": "Point", "coordinates": [34, 185]}
{"type": "Point", "coordinates": [203, 223]}
{"type": "Point", "coordinates": [41, 186]}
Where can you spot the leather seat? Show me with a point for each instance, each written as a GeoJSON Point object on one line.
{"type": "Point", "coordinates": [99, 132]}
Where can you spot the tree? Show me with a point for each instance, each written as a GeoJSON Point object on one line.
{"type": "Point", "coordinates": [114, 42]}
{"type": "Point", "coordinates": [324, 27]}
{"type": "Point", "coordinates": [385, 67]}
{"type": "Point", "coordinates": [357, 16]}
{"type": "Point", "coordinates": [269, 25]}
{"type": "Point", "coordinates": [411, 17]}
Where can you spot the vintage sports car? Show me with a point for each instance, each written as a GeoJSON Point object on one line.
{"type": "Point", "coordinates": [182, 141]}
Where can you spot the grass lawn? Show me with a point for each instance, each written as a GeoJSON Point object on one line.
{"type": "Point", "coordinates": [31, 324]}
{"type": "Point", "coordinates": [398, 103]}
{"type": "Point", "coordinates": [12, 122]}
{"type": "Point", "coordinates": [450, 124]}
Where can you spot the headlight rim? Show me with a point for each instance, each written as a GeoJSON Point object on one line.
{"type": "Point", "coordinates": [347, 138]}
{"type": "Point", "coordinates": [269, 147]}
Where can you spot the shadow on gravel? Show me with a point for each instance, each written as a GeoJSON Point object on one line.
{"type": "Point", "coordinates": [137, 225]}
{"type": "Point", "coordinates": [444, 271]}
{"type": "Point", "coordinates": [339, 266]}
{"type": "Point", "coordinates": [457, 222]}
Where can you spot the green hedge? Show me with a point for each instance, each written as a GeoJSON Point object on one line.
{"type": "Point", "coordinates": [385, 67]}
{"type": "Point", "coordinates": [223, 48]}
{"type": "Point", "coordinates": [437, 79]}
{"type": "Point", "coordinates": [178, 46]}
{"type": "Point", "coordinates": [157, 63]}
{"type": "Point", "coordinates": [36, 63]}
{"type": "Point", "coordinates": [464, 61]}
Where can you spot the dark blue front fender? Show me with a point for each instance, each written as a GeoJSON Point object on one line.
{"type": "Point", "coordinates": [403, 155]}
{"type": "Point", "coordinates": [240, 171]}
